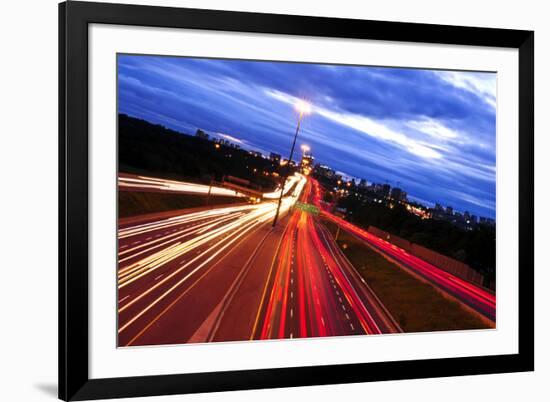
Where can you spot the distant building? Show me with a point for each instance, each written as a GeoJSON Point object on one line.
{"type": "Point", "coordinates": [257, 154]}
{"type": "Point", "coordinates": [386, 190]}
{"type": "Point", "coordinates": [362, 183]}
{"type": "Point", "coordinates": [201, 134]}
{"type": "Point", "coordinates": [222, 141]}
{"type": "Point", "coordinates": [396, 193]}
{"type": "Point", "coordinates": [275, 157]}
{"type": "Point", "coordinates": [307, 160]}
{"type": "Point", "coordinates": [438, 212]}
{"type": "Point", "coordinates": [307, 163]}
{"type": "Point", "coordinates": [465, 221]}
{"type": "Point", "coordinates": [324, 171]}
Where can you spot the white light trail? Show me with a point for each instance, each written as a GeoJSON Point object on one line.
{"type": "Point", "coordinates": [157, 184]}
{"type": "Point", "coordinates": [290, 181]}
{"type": "Point", "coordinates": [226, 226]}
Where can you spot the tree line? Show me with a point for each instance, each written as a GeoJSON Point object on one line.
{"type": "Point", "coordinates": [152, 149]}
{"type": "Point", "coordinates": [476, 247]}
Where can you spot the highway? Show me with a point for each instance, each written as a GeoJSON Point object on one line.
{"type": "Point", "coordinates": [162, 258]}
{"type": "Point", "coordinates": [479, 299]}
{"type": "Point", "coordinates": [225, 274]}
{"type": "Point", "coordinates": [314, 290]}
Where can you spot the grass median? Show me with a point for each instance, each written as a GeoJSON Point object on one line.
{"type": "Point", "coordinates": [132, 203]}
{"type": "Point", "coordinates": [417, 306]}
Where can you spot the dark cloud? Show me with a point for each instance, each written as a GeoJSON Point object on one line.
{"type": "Point", "coordinates": [435, 136]}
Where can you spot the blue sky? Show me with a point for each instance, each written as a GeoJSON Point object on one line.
{"type": "Point", "coordinates": [431, 131]}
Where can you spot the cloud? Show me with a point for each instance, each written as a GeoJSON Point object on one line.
{"type": "Point", "coordinates": [433, 128]}
{"type": "Point", "coordinates": [231, 138]}
{"type": "Point", "coordinates": [481, 84]}
{"type": "Point", "coordinates": [366, 126]}
{"type": "Point", "coordinates": [433, 132]}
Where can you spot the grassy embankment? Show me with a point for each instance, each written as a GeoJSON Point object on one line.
{"type": "Point", "coordinates": [417, 306]}
{"type": "Point", "coordinates": [132, 203]}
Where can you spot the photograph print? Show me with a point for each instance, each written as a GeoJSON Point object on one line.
{"type": "Point", "coordinates": [281, 200]}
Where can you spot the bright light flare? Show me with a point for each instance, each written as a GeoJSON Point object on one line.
{"type": "Point", "coordinates": [303, 107]}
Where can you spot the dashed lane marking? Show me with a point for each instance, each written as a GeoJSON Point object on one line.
{"type": "Point", "coordinates": [124, 298]}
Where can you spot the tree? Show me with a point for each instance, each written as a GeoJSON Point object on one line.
{"type": "Point", "coordinates": [328, 197]}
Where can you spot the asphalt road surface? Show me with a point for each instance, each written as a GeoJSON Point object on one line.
{"type": "Point", "coordinates": [226, 274]}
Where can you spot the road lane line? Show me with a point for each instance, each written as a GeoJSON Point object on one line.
{"type": "Point", "coordinates": [230, 294]}
{"type": "Point", "coordinates": [124, 298]}
{"type": "Point", "coordinates": [175, 286]}
{"type": "Point", "coordinates": [256, 321]}
{"type": "Point", "coordinates": [263, 214]}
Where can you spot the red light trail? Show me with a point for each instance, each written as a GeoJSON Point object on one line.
{"type": "Point", "coordinates": [225, 274]}
{"type": "Point", "coordinates": [481, 300]}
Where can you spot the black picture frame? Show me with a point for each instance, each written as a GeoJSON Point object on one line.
{"type": "Point", "coordinates": [74, 19]}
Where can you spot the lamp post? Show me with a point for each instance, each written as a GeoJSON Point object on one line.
{"type": "Point", "coordinates": [303, 109]}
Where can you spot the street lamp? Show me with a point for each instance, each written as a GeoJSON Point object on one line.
{"type": "Point", "coordinates": [305, 148]}
{"type": "Point", "coordinates": [303, 108]}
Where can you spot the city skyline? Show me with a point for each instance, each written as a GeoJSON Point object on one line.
{"type": "Point", "coordinates": [360, 182]}
{"type": "Point", "coordinates": [432, 131]}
